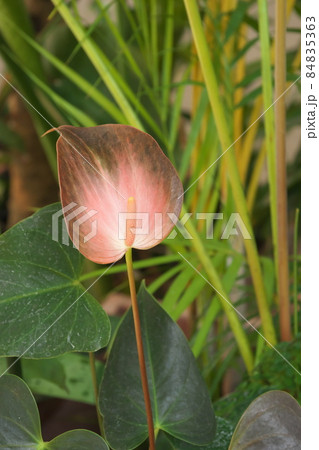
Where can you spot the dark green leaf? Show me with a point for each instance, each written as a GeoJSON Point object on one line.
{"type": "Point", "coordinates": [271, 421]}
{"type": "Point", "coordinates": [232, 406]}
{"type": "Point", "coordinates": [44, 310]}
{"type": "Point", "coordinates": [19, 416]}
{"type": "Point", "coordinates": [223, 436]}
{"type": "Point", "coordinates": [243, 50]}
{"type": "Point", "coordinates": [250, 78]}
{"type": "Point", "coordinates": [236, 19]}
{"type": "Point", "coordinates": [20, 422]}
{"type": "Point", "coordinates": [68, 376]}
{"type": "Point", "coordinates": [180, 401]}
{"type": "Point", "coordinates": [221, 442]}
{"type": "Point", "coordinates": [77, 440]}
{"type": "Point", "coordinates": [249, 97]}
{"type": "Point", "coordinates": [252, 22]}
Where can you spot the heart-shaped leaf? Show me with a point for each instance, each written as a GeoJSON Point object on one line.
{"type": "Point", "coordinates": [77, 440]}
{"type": "Point", "coordinates": [44, 310]}
{"type": "Point", "coordinates": [19, 416]}
{"type": "Point", "coordinates": [180, 401]}
{"type": "Point", "coordinates": [20, 422]}
{"type": "Point", "coordinates": [270, 421]}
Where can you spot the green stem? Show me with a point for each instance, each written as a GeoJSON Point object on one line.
{"type": "Point", "coordinates": [269, 118]}
{"type": "Point", "coordinates": [281, 190]}
{"type": "Point", "coordinates": [143, 25]}
{"type": "Point", "coordinates": [140, 350]}
{"type": "Point", "coordinates": [237, 190]}
{"type": "Point", "coordinates": [77, 79]}
{"type": "Point", "coordinates": [205, 326]}
{"type": "Point", "coordinates": [96, 392]}
{"type": "Point", "coordinates": [167, 58]}
{"type": "Point", "coordinates": [295, 294]}
{"type": "Point", "coordinates": [154, 43]}
{"type": "Point", "coordinates": [100, 63]}
{"type": "Point", "coordinates": [116, 30]}
{"type": "Point", "coordinates": [15, 13]}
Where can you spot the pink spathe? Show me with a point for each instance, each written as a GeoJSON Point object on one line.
{"type": "Point", "coordinates": [121, 173]}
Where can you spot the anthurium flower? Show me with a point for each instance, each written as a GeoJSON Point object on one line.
{"type": "Point", "coordinates": [118, 190]}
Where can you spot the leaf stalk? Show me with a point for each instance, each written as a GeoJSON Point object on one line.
{"type": "Point", "coordinates": [140, 350]}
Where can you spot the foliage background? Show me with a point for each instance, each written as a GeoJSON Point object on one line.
{"type": "Point", "coordinates": [136, 63]}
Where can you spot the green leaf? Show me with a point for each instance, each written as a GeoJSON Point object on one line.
{"type": "Point", "coordinates": [19, 416]}
{"type": "Point", "coordinates": [236, 19]}
{"type": "Point", "coordinates": [68, 376]}
{"type": "Point", "coordinates": [268, 267]}
{"type": "Point", "coordinates": [77, 440]}
{"type": "Point", "coordinates": [16, 12]}
{"type": "Point", "coordinates": [20, 422]}
{"type": "Point", "coordinates": [274, 371]}
{"type": "Point", "coordinates": [221, 441]}
{"type": "Point", "coordinates": [44, 310]}
{"type": "Point", "coordinates": [271, 421]}
{"type": "Point", "coordinates": [80, 116]}
{"type": "Point", "coordinates": [100, 62]}
{"type": "Point", "coordinates": [72, 75]}
{"type": "Point", "coordinates": [193, 134]}
{"type": "Point", "coordinates": [223, 434]}
{"type": "Point", "coordinates": [249, 97]}
{"type": "Point", "coordinates": [180, 401]}
{"type": "Point", "coordinates": [51, 371]}
{"type": "Point", "coordinates": [164, 277]}
{"type": "Point", "coordinates": [177, 288]}
{"type": "Point", "coordinates": [213, 309]}
{"type": "Point", "coordinates": [243, 51]}
{"type": "Point", "coordinates": [193, 290]}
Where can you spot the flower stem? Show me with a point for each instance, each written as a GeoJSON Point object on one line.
{"type": "Point", "coordinates": [96, 392]}
{"type": "Point", "coordinates": [140, 351]}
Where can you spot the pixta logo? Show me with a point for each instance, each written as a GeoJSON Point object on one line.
{"type": "Point", "coordinates": [77, 215]}
{"type": "Point", "coordinates": [139, 225]}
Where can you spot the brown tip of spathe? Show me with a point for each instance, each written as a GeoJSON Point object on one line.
{"type": "Point", "coordinates": [50, 131]}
